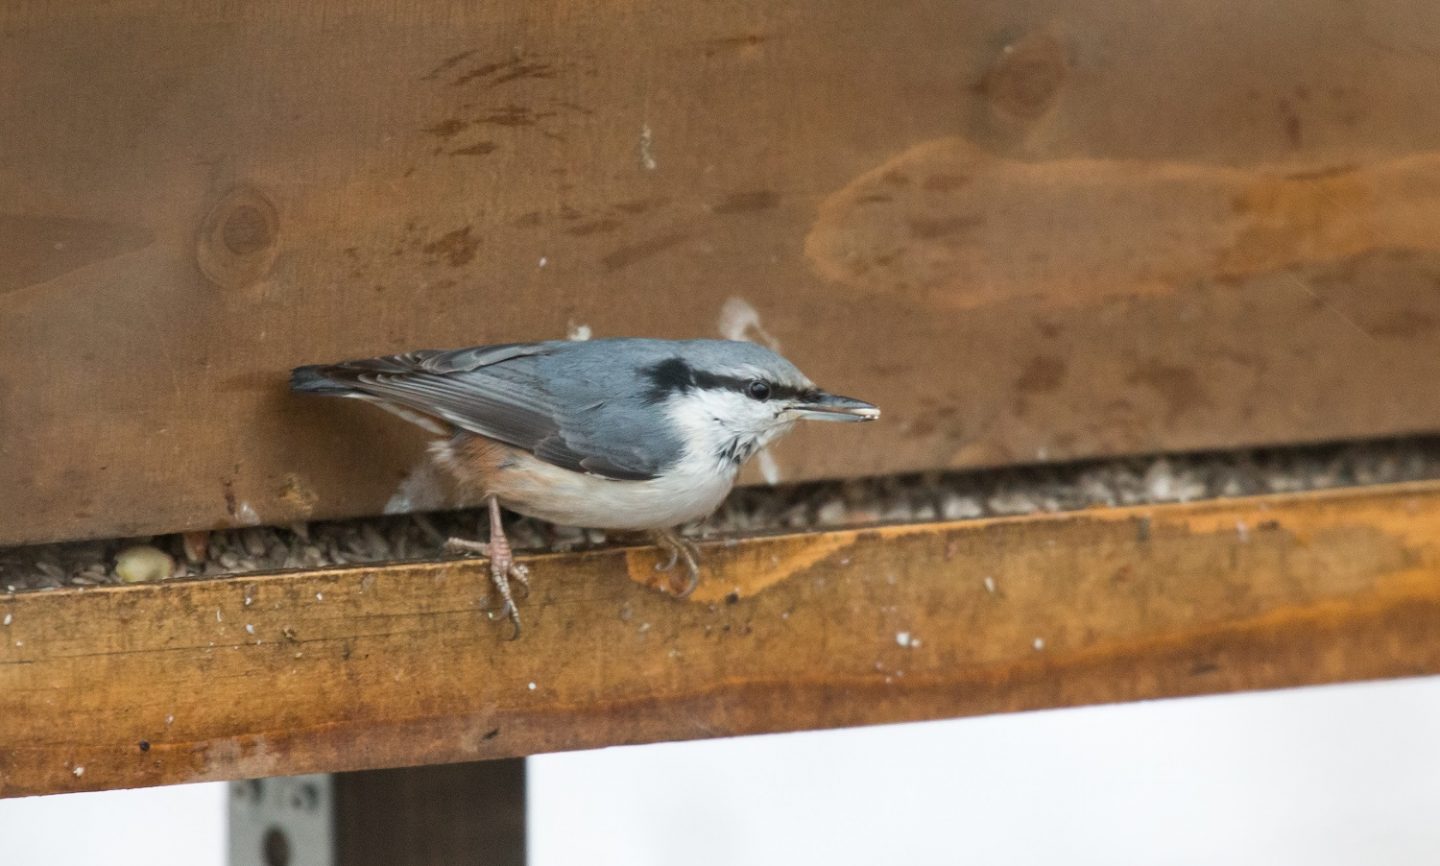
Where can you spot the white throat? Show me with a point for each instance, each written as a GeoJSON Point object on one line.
{"type": "Point", "coordinates": [722, 428]}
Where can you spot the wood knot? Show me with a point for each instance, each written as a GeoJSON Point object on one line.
{"type": "Point", "coordinates": [1024, 80]}
{"type": "Point", "coordinates": [238, 239]}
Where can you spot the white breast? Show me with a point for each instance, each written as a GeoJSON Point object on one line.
{"type": "Point", "coordinates": [689, 492]}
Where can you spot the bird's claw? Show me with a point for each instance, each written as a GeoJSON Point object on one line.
{"type": "Point", "coordinates": [502, 570]}
{"type": "Point", "coordinates": [510, 612]}
{"type": "Point", "coordinates": [680, 548]}
{"type": "Point", "coordinates": [692, 580]}
{"type": "Point", "coordinates": [521, 575]}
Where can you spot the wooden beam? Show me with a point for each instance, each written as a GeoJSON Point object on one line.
{"type": "Point", "coordinates": [368, 667]}
{"type": "Point", "coordinates": [472, 813]}
{"type": "Point", "coordinates": [1053, 229]}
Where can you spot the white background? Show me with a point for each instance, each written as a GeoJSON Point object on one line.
{"type": "Point", "coordinates": [1339, 775]}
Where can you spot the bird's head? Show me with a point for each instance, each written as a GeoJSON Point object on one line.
{"type": "Point", "coordinates": [732, 398]}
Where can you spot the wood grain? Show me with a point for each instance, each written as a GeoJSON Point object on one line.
{"type": "Point", "coordinates": [392, 666]}
{"type": "Point", "coordinates": [1034, 230]}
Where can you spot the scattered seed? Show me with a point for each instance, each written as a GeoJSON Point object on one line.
{"type": "Point", "coordinates": [253, 540]}
{"type": "Point", "coordinates": [196, 545]}
{"type": "Point", "coordinates": [142, 563]}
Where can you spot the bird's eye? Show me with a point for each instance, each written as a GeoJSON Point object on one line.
{"type": "Point", "coordinates": [758, 390]}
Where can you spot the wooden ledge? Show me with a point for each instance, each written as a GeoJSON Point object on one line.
{"type": "Point", "coordinates": [367, 667]}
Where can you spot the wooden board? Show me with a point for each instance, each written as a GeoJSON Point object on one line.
{"type": "Point", "coordinates": [381, 667]}
{"type": "Point", "coordinates": [1032, 230]}
{"type": "Point", "coordinates": [471, 813]}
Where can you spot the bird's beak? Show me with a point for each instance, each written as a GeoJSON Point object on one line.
{"type": "Point", "coordinates": [829, 407]}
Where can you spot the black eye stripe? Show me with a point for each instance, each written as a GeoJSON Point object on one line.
{"type": "Point", "coordinates": [784, 392]}
{"type": "Point", "coordinates": [742, 386]}
{"type": "Point", "coordinates": [674, 374]}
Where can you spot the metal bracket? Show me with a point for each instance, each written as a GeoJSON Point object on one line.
{"type": "Point", "coordinates": [287, 821]}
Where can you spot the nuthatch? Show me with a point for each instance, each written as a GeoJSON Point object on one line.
{"type": "Point", "coordinates": [624, 434]}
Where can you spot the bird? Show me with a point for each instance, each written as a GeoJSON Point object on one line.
{"type": "Point", "coordinates": [625, 433]}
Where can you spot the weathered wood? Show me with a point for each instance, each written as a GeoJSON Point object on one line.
{"type": "Point", "coordinates": [1028, 229]}
{"type": "Point", "coordinates": [377, 667]}
{"type": "Point", "coordinates": [454, 815]}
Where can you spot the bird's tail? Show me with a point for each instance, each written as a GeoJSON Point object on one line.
{"type": "Point", "coordinates": [320, 379]}
{"type": "Point", "coordinates": [344, 380]}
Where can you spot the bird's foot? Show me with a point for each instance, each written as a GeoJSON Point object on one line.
{"type": "Point", "coordinates": [503, 569]}
{"type": "Point", "coordinates": [679, 548]}
{"type": "Point", "coordinates": [517, 572]}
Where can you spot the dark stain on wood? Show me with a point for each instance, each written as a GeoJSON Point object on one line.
{"type": "Point", "coordinates": [447, 128]}
{"type": "Point", "coordinates": [479, 148]}
{"type": "Point", "coordinates": [596, 227]}
{"type": "Point", "coordinates": [1290, 120]}
{"type": "Point", "coordinates": [521, 71]}
{"type": "Point", "coordinates": [640, 205]}
{"type": "Point", "coordinates": [1178, 387]}
{"type": "Point", "coordinates": [732, 44]}
{"type": "Point", "coordinates": [745, 202]}
{"type": "Point", "coordinates": [626, 256]}
{"type": "Point", "coordinates": [457, 247]}
{"type": "Point", "coordinates": [1405, 324]}
{"type": "Point", "coordinates": [484, 70]}
{"type": "Point", "coordinates": [1042, 375]}
{"type": "Point", "coordinates": [513, 115]}
{"type": "Point", "coordinates": [445, 65]}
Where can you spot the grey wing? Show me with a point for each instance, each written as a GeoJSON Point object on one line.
{"type": "Point", "coordinates": [494, 391]}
